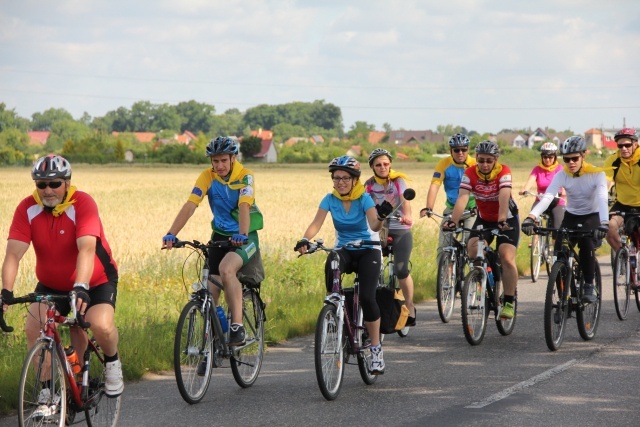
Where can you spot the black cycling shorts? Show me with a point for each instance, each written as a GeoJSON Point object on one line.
{"type": "Point", "coordinates": [101, 294]}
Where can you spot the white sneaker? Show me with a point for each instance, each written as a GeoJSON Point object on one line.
{"type": "Point", "coordinates": [48, 405]}
{"type": "Point", "coordinates": [376, 365]}
{"type": "Point", "coordinates": [114, 385]}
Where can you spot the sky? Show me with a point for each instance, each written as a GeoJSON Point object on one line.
{"type": "Point", "coordinates": [485, 65]}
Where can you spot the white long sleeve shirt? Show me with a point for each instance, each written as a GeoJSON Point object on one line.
{"type": "Point", "coordinates": [586, 194]}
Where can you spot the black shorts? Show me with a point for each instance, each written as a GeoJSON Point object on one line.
{"type": "Point", "coordinates": [101, 294]}
{"type": "Point", "coordinates": [617, 206]}
{"type": "Point", "coordinates": [511, 237]}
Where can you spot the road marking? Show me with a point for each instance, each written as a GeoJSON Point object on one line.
{"type": "Point", "coordinates": [524, 384]}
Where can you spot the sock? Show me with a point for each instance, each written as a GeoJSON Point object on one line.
{"type": "Point", "coordinates": [235, 326]}
{"type": "Point", "coordinates": [113, 358]}
{"type": "Point", "coordinates": [509, 299]}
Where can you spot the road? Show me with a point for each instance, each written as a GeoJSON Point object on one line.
{"type": "Point", "coordinates": [433, 377]}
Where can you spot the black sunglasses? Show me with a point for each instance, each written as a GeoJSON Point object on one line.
{"type": "Point", "coordinates": [571, 159]}
{"type": "Point", "coordinates": [51, 184]}
{"type": "Point", "coordinates": [546, 156]}
{"type": "Point", "coordinates": [625, 146]}
{"type": "Point", "coordinates": [459, 150]}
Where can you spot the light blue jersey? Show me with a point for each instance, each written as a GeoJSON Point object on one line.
{"type": "Point", "coordinates": [349, 226]}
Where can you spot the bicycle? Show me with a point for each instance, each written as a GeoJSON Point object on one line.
{"type": "Point", "coordinates": [47, 375]}
{"type": "Point", "coordinates": [201, 341]}
{"type": "Point", "coordinates": [565, 288]}
{"type": "Point", "coordinates": [625, 267]}
{"type": "Point", "coordinates": [481, 291]}
{"type": "Point", "coordinates": [541, 246]}
{"type": "Point", "coordinates": [332, 351]}
{"type": "Point", "coordinates": [452, 266]}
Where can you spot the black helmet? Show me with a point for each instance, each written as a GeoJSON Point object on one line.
{"type": "Point", "coordinates": [573, 144]}
{"type": "Point", "coordinates": [377, 153]}
{"type": "Point", "coordinates": [222, 145]}
{"type": "Point", "coordinates": [488, 147]}
{"type": "Point", "coordinates": [50, 167]}
{"type": "Point", "coordinates": [459, 140]}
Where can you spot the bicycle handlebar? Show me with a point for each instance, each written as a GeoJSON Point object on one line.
{"type": "Point", "coordinates": [544, 231]}
{"type": "Point", "coordinates": [76, 317]}
{"type": "Point", "coordinates": [318, 245]}
{"type": "Point", "coordinates": [202, 246]}
{"type": "Point", "coordinates": [465, 214]}
{"type": "Point", "coordinates": [539, 195]}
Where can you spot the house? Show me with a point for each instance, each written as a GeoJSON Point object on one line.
{"type": "Point", "coordinates": [601, 138]}
{"type": "Point", "coordinates": [354, 151]}
{"type": "Point", "coordinates": [268, 153]}
{"type": "Point", "coordinates": [294, 140]}
{"type": "Point", "coordinates": [528, 140]}
{"type": "Point", "coordinates": [375, 137]}
{"type": "Point", "coordinates": [185, 138]}
{"type": "Point", "coordinates": [262, 134]}
{"type": "Point", "coordinates": [316, 139]}
{"type": "Point", "coordinates": [140, 136]}
{"type": "Point", "coordinates": [38, 137]}
{"type": "Point", "coordinates": [416, 136]}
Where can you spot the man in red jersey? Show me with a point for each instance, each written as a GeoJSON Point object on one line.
{"type": "Point", "coordinates": [72, 254]}
{"type": "Point", "coordinates": [491, 182]}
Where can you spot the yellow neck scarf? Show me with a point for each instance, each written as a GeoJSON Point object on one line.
{"type": "Point", "coordinates": [356, 191]}
{"type": "Point", "coordinates": [586, 168]}
{"type": "Point", "coordinates": [492, 175]}
{"type": "Point", "coordinates": [392, 175]}
{"type": "Point", "coordinates": [635, 158]}
{"type": "Point", "coordinates": [57, 211]}
{"type": "Point", "coordinates": [234, 176]}
{"type": "Point", "coordinates": [549, 168]}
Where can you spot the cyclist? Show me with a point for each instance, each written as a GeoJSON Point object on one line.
{"type": "Point", "coordinates": [228, 185]}
{"type": "Point", "coordinates": [355, 215]}
{"type": "Point", "coordinates": [586, 188]}
{"type": "Point", "coordinates": [449, 172]}
{"type": "Point", "coordinates": [387, 184]}
{"type": "Point", "coordinates": [72, 255]}
{"type": "Point", "coordinates": [491, 182]}
{"type": "Point", "coordinates": [625, 174]}
{"type": "Point", "coordinates": [541, 176]}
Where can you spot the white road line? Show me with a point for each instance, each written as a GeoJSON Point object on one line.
{"type": "Point", "coordinates": [524, 384]}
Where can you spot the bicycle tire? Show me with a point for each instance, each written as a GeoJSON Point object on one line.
{"type": "Point", "coordinates": [192, 346]}
{"type": "Point", "coordinates": [329, 353]}
{"type": "Point", "coordinates": [34, 372]}
{"type": "Point", "coordinates": [547, 253]}
{"type": "Point", "coordinates": [637, 293]}
{"type": "Point", "coordinates": [363, 358]}
{"type": "Point", "coordinates": [535, 257]}
{"type": "Point", "coordinates": [446, 287]}
{"type": "Point", "coordinates": [474, 319]}
{"type": "Point", "coordinates": [103, 411]}
{"type": "Point", "coordinates": [246, 360]}
{"type": "Point", "coordinates": [588, 316]}
{"type": "Point", "coordinates": [556, 306]}
{"type": "Point", "coordinates": [621, 283]}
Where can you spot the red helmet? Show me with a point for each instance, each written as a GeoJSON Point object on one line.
{"type": "Point", "coordinates": [626, 133]}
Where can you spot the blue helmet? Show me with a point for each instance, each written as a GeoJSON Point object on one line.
{"type": "Point", "coordinates": [222, 145]}
{"type": "Point", "coordinates": [347, 164]}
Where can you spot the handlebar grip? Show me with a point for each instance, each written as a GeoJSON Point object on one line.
{"type": "Point", "coordinates": [81, 322]}
{"type": "Point", "coordinates": [3, 324]}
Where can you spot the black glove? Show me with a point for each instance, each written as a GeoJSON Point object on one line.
{"type": "Point", "coordinates": [5, 297]}
{"type": "Point", "coordinates": [449, 226]}
{"type": "Point", "coordinates": [302, 243]}
{"type": "Point", "coordinates": [426, 212]}
{"type": "Point", "coordinates": [527, 226]}
{"type": "Point", "coordinates": [600, 232]}
{"type": "Point", "coordinates": [82, 293]}
{"type": "Point", "coordinates": [384, 209]}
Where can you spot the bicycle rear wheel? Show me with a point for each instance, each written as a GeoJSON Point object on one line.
{"type": "Point", "coordinates": [535, 256]}
{"type": "Point", "coordinates": [329, 352]}
{"type": "Point", "coordinates": [474, 308]}
{"type": "Point", "coordinates": [446, 288]}
{"type": "Point", "coordinates": [103, 411]}
{"type": "Point", "coordinates": [588, 315]}
{"type": "Point", "coordinates": [193, 353]}
{"type": "Point", "coordinates": [556, 306]}
{"type": "Point", "coordinates": [622, 283]}
{"type": "Point", "coordinates": [247, 359]}
{"type": "Point", "coordinates": [42, 397]}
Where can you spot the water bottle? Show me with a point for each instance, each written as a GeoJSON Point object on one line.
{"type": "Point", "coordinates": [223, 319]}
{"type": "Point", "coordinates": [490, 280]}
{"type": "Point", "coordinates": [632, 256]}
{"type": "Point", "coordinates": [72, 357]}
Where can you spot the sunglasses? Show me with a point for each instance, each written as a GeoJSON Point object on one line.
{"type": "Point", "coordinates": [621, 146]}
{"type": "Point", "coordinates": [459, 150]}
{"type": "Point", "coordinates": [571, 159]}
{"type": "Point", "coordinates": [548, 157]}
{"type": "Point", "coordinates": [483, 161]}
{"type": "Point", "coordinates": [51, 184]}
{"type": "Point", "coordinates": [343, 179]}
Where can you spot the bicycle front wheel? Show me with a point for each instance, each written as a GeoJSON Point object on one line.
{"type": "Point", "coordinates": [103, 411]}
{"type": "Point", "coordinates": [193, 353]}
{"type": "Point", "coordinates": [556, 306]}
{"type": "Point", "coordinates": [588, 315]}
{"type": "Point", "coordinates": [247, 360]}
{"type": "Point", "coordinates": [329, 352]}
{"type": "Point", "coordinates": [364, 357]}
{"type": "Point", "coordinates": [536, 256]}
{"type": "Point", "coordinates": [622, 283]}
{"type": "Point", "coordinates": [506, 326]}
{"type": "Point", "coordinates": [42, 397]}
{"type": "Point", "coordinates": [446, 288]}
{"type": "Point", "coordinates": [474, 308]}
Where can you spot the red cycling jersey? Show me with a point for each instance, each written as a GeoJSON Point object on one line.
{"type": "Point", "coordinates": [486, 191]}
{"type": "Point", "coordinates": [54, 241]}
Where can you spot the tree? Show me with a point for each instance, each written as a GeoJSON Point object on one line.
{"type": "Point", "coordinates": [10, 119]}
{"type": "Point", "coordinates": [45, 121]}
{"type": "Point", "coordinates": [119, 150]}
{"type": "Point", "coordinates": [195, 116]}
{"type": "Point", "coordinates": [360, 130]}
{"type": "Point", "coordinates": [251, 145]}
{"type": "Point", "coordinates": [387, 127]}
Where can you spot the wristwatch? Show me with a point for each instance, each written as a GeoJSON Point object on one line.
{"type": "Point", "coordinates": [83, 285]}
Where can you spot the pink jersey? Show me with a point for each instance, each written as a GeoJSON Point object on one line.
{"type": "Point", "coordinates": [543, 179]}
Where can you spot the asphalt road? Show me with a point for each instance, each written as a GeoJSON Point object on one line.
{"type": "Point", "coordinates": [433, 377]}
